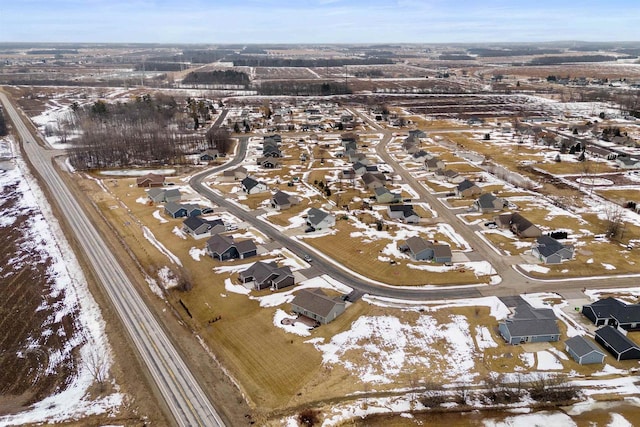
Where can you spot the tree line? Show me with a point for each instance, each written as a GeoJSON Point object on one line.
{"type": "Point", "coordinates": [144, 132]}
{"type": "Point", "coordinates": [226, 77]}
{"type": "Point", "coordinates": [3, 123]}
{"type": "Point", "coordinates": [245, 61]}
{"type": "Point", "coordinates": [300, 88]}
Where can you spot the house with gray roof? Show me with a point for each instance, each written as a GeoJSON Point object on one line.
{"type": "Point", "coordinates": [583, 350]}
{"type": "Point", "coordinates": [417, 133]}
{"type": "Point", "coordinates": [467, 189]}
{"type": "Point", "coordinates": [209, 155]}
{"type": "Point", "coordinates": [613, 312]}
{"type": "Point", "coordinates": [626, 162]}
{"type": "Point", "coordinates": [442, 254]}
{"type": "Point", "coordinates": [175, 210]}
{"type": "Point", "coordinates": [449, 175]}
{"type": "Point", "coordinates": [410, 145]}
{"type": "Point", "coordinates": [265, 275]}
{"type": "Point", "coordinates": [404, 213]}
{"type": "Point", "coordinates": [282, 200]}
{"type": "Point", "coordinates": [199, 228]}
{"type": "Point", "coordinates": [530, 324]}
{"type": "Point", "coordinates": [319, 219]}
{"type": "Point", "coordinates": [420, 156]}
{"type": "Point", "coordinates": [487, 202]}
{"type": "Point", "coordinates": [222, 248]}
{"type": "Point", "coordinates": [373, 180]}
{"type": "Point", "coordinates": [418, 248]}
{"type": "Point", "coordinates": [432, 164]}
{"type": "Point", "coordinates": [519, 225]}
{"type": "Point", "coordinates": [252, 186]}
{"type": "Point", "coordinates": [550, 251]}
{"type": "Point", "coordinates": [384, 195]}
{"type": "Point", "coordinates": [269, 162]}
{"type": "Point", "coordinates": [236, 174]}
{"type": "Point", "coordinates": [317, 305]}
{"type": "Point", "coordinates": [156, 195]}
{"type": "Point", "coordinates": [617, 343]}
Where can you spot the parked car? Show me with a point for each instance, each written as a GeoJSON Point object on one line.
{"type": "Point", "coordinates": [491, 224]}
{"type": "Point", "coordinates": [207, 211]}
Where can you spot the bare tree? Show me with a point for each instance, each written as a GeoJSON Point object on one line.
{"type": "Point", "coordinates": [98, 365]}
{"type": "Point", "coordinates": [614, 221]}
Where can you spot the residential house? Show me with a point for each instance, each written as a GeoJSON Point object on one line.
{"type": "Point", "coordinates": [150, 180]}
{"type": "Point", "coordinates": [613, 312]}
{"type": "Point", "coordinates": [487, 202]}
{"type": "Point", "coordinates": [224, 248]}
{"type": "Point", "coordinates": [598, 151]}
{"type": "Point", "coordinates": [518, 225]}
{"type": "Point", "coordinates": [467, 189]}
{"type": "Point", "coordinates": [424, 250]}
{"type": "Point", "coordinates": [442, 254]}
{"type": "Point", "coordinates": [420, 156]}
{"type": "Point", "coordinates": [177, 210]}
{"type": "Point", "coordinates": [404, 213]}
{"type": "Point", "coordinates": [583, 350]}
{"type": "Point", "coordinates": [383, 195]}
{"type": "Point", "coordinates": [209, 155]}
{"type": "Point", "coordinates": [251, 186]}
{"type": "Point", "coordinates": [348, 139]}
{"type": "Point", "coordinates": [616, 343]}
{"type": "Point", "coordinates": [626, 162]}
{"type": "Point", "coordinates": [373, 180]}
{"type": "Point", "coordinates": [359, 168]}
{"type": "Point", "coordinates": [348, 174]}
{"type": "Point", "coordinates": [410, 145]}
{"type": "Point", "coordinates": [156, 195]}
{"type": "Point", "coordinates": [199, 228]}
{"type": "Point", "coordinates": [530, 324]}
{"type": "Point", "coordinates": [419, 248]}
{"type": "Point", "coordinates": [417, 133]}
{"type": "Point", "coordinates": [282, 200]}
{"type": "Point", "coordinates": [317, 305]}
{"type": "Point", "coordinates": [353, 156]}
{"type": "Point", "coordinates": [319, 219]}
{"type": "Point", "coordinates": [550, 251]}
{"type": "Point", "coordinates": [267, 275]}
{"type": "Point", "coordinates": [432, 164]}
{"type": "Point", "coordinates": [236, 174]}
{"type": "Point", "coordinates": [449, 176]}
{"type": "Point", "coordinates": [349, 145]}
{"type": "Point", "coordinates": [269, 162]}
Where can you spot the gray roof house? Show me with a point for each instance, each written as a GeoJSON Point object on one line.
{"type": "Point", "coordinates": [583, 350]}
{"type": "Point", "coordinates": [267, 275]}
{"type": "Point", "coordinates": [383, 195]}
{"type": "Point", "coordinates": [199, 228]}
{"type": "Point", "coordinates": [467, 189]}
{"type": "Point", "coordinates": [317, 305]}
{"type": "Point", "coordinates": [628, 162]}
{"type": "Point", "coordinates": [156, 194]}
{"type": "Point", "coordinates": [419, 248]}
{"type": "Point", "coordinates": [487, 202]}
{"type": "Point", "coordinates": [251, 186]}
{"type": "Point", "coordinates": [519, 225]}
{"type": "Point", "coordinates": [319, 219]}
{"type": "Point", "coordinates": [223, 248]}
{"type": "Point", "coordinates": [282, 200]}
{"type": "Point", "coordinates": [433, 164]}
{"type": "Point", "coordinates": [410, 145]}
{"type": "Point", "coordinates": [209, 155]}
{"type": "Point", "coordinates": [530, 324]}
{"type": "Point", "coordinates": [373, 180]}
{"type": "Point", "coordinates": [551, 251]}
{"type": "Point", "coordinates": [442, 254]}
{"type": "Point", "coordinates": [616, 343]}
{"type": "Point", "coordinates": [420, 156]}
{"type": "Point", "coordinates": [611, 311]}
{"type": "Point", "coordinates": [236, 174]}
{"type": "Point", "coordinates": [449, 175]}
{"type": "Point", "coordinates": [404, 213]}
{"type": "Point", "coordinates": [175, 210]}
{"type": "Point", "coordinates": [417, 133]}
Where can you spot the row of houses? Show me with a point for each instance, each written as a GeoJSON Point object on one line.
{"type": "Point", "coordinates": [616, 317]}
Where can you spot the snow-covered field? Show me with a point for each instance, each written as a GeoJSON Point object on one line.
{"type": "Point", "coordinates": [48, 243]}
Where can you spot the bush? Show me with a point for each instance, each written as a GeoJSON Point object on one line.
{"type": "Point", "coordinates": [309, 417]}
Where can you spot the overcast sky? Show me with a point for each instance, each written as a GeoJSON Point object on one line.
{"type": "Point", "coordinates": [317, 21]}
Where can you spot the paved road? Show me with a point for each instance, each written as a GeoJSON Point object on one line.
{"type": "Point", "coordinates": [182, 393]}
